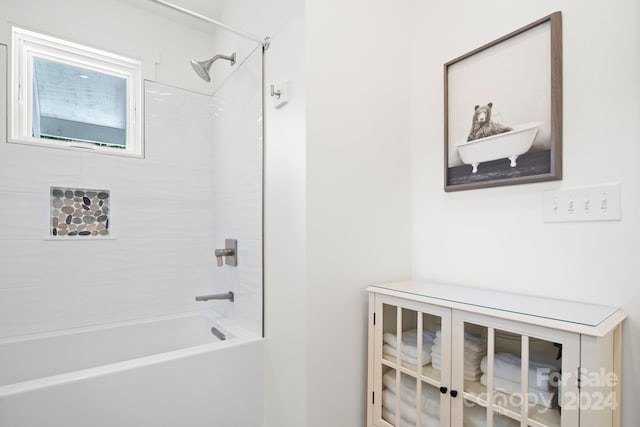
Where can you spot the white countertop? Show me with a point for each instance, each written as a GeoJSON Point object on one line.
{"type": "Point", "coordinates": [456, 296]}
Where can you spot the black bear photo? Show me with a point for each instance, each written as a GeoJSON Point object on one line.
{"type": "Point", "coordinates": [482, 126]}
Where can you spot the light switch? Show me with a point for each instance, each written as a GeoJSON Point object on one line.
{"type": "Point", "coordinates": [586, 203]}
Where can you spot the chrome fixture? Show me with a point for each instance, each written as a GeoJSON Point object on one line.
{"type": "Point", "coordinates": [229, 253]}
{"type": "Point", "coordinates": [229, 295]}
{"type": "Point", "coordinates": [203, 67]}
{"type": "Point", "coordinates": [215, 331]}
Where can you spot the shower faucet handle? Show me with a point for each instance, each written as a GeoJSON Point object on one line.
{"type": "Point", "coordinates": [230, 253]}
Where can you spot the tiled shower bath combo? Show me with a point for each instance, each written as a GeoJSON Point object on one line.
{"type": "Point", "coordinates": [125, 329]}
{"type": "Point", "coordinates": [79, 212]}
{"type": "Point", "coordinates": [122, 324]}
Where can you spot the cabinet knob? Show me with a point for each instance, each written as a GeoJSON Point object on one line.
{"type": "Point", "coordinates": [454, 393]}
{"type": "Point", "coordinates": [443, 390]}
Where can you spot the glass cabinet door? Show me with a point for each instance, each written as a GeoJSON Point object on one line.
{"type": "Point", "coordinates": [412, 358]}
{"type": "Point", "coordinates": [511, 377]}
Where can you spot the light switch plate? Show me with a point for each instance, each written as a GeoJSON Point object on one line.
{"type": "Point", "coordinates": [585, 203]}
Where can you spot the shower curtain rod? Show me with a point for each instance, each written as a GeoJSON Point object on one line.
{"type": "Point", "coordinates": [264, 42]}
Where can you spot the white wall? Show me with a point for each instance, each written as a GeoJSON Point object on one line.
{"type": "Point", "coordinates": [285, 229]}
{"type": "Point", "coordinates": [495, 238]}
{"type": "Point", "coordinates": [358, 189]}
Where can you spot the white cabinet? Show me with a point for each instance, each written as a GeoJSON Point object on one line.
{"type": "Point", "coordinates": [443, 355]}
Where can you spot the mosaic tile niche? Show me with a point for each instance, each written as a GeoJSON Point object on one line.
{"type": "Point", "coordinates": [79, 213]}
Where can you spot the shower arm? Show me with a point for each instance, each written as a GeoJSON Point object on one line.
{"type": "Point", "coordinates": [230, 58]}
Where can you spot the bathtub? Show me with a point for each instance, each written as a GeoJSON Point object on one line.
{"type": "Point", "coordinates": [169, 371]}
{"type": "Point", "coordinates": [508, 145]}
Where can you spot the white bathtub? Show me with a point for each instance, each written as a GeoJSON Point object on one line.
{"type": "Point", "coordinates": [168, 371]}
{"type": "Point", "coordinates": [508, 145]}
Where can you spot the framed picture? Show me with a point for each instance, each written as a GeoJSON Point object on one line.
{"type": "Point", "coordinates": [503, 110]}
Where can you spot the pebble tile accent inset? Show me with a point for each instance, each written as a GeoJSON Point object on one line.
{"type": "Point", "coordinates": [79, 213]}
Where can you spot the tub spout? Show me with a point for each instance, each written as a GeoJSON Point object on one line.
{"type": "Point", "coordinates": [229, 295]}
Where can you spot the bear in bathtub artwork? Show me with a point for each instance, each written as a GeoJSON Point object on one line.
{"type": "Point", "coordinates": [489, 140]}
{"type": "Point", "coordinates": [482, 125]}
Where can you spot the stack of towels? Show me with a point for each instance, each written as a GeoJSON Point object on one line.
{"type": "Point", "coordinates": [409, 347]}
{"type": "Point", "coordinates": [475, 348]}
{"type": "Point", "coordinates": [430, 402]}
{"type": "Point", "coordinates": [506, 378]}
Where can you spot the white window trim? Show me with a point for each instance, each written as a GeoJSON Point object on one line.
{"type": "Point", "coordinates": [28, 44]}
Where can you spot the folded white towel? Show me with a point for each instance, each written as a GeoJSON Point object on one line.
{"type": "Point", "coordinates": [409, 337]}
{"type": "Point", "coordinates": [471, 377]}
{"type": "Point", "coordinates": [474, 358]}
{"type": "Point", "coordinates": [430, 395]}
{"type": "Point", "coordinates": [409, 343]}
{"type": "Point", "coordinates": [436, 358]}
{"type": "Point", "coordinates": [467, 375]}
{"type": "Point", "coordinates": [472, 371]}
{"type": "Point", "coordinates": [469, 366]}
{"type": "Point", "coordinates": [437, 364]}
{"type": "Point", "coordinates": [469, 356]}
{"type": "Point", "coordinates": [507, 366]}
{"type": "Point", "coordinates": [390, 351]}
{"type": "Point", "coordinates": [412, 351]}
{"type": "Point", "coordinates": [407, 412]}
{"type": "Point", "coordinates": [472, 343]}
{"type": "Point", "coordinates": [436, 349]}
{"type": "Point", "coordinates": [391, 339]}
{"type": "Point", "coordinates": [534, 395]}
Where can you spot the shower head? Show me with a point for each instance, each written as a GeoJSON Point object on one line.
{"type": "Point", "coordinates": [203, 67]}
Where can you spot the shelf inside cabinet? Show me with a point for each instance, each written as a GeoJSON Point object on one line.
{"type": "Point", "coordinates": [431, 375]}
{"type": "Point", "coordinates": [474, 392]}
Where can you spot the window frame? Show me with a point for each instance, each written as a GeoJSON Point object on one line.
{"type": "Point", "coordinates": [28, 44]}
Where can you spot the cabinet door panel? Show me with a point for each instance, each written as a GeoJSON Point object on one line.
{"type": "Point", "coordinates": [409, 370]}
{"type": "Point", "coordinates": [520, 373]}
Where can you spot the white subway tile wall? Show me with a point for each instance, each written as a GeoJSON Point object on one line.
{"type": "Point", "coordinates": [200, 183]}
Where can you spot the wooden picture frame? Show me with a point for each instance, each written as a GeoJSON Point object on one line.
{"type": "Point", "coordinates": [503, 110]}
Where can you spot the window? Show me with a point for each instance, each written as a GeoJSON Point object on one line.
{"type": "Point", "coordinates": [70, 96]}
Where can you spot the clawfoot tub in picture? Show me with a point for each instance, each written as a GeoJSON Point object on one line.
{"type": "Point", "coordinates": [507, 145]}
